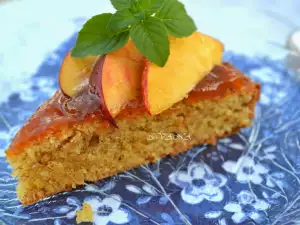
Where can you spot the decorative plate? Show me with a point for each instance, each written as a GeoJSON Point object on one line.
{"type": "Point", "coordinates": [249, 178]}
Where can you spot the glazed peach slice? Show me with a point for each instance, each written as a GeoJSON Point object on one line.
{"type": "Point", "coordinates": [74, 72]}
{"type": "Point", "coordinates": [118, 79]}
{"type": "Point", "coordinates": [191, 59]}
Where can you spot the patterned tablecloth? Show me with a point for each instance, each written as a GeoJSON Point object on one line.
{"type": "Point", "coordinates": [250, 178]}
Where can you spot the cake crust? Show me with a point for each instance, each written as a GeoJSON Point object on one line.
{"type": "Point", "coordinates": [69, 149]}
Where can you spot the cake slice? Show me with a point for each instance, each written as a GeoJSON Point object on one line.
{"type": "Point", "coordinates": [142, 87]}
{"type": "Point", "coordinates": [60, 147]}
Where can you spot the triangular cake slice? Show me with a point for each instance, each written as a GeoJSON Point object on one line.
{"type": "Point", "coordinates": [67, 142]}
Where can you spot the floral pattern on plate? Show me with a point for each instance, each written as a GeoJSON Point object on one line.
{"type": "Point", "coordinates": [249, 178]}
{"type": "Point", "coordinates": [199, 183]}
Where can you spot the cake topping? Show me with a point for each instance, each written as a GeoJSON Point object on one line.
{"type": "Point", "coordinates": [117, 77]}
{"type": "Point", "coordinates": [191, 59]}
{"type": "Point", "coordinates": [74, 74]}
{"type": "Point", "coordinates": [64, 111]}
{"type": "Point", "coordinates": [146, 22]}
{"type": "Point", "coordinates": [161, 62]}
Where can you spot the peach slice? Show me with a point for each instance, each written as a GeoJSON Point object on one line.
{"type": "Point", "coordinates": [191, 59]}
{"type": "Point", "coordinates": [74, 72]}
{"type": "Point", "coordinates": [118, 79]}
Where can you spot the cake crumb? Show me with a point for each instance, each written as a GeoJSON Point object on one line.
{"type": "Point", "coordinates": [85, 214]}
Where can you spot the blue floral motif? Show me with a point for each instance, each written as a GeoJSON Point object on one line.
{"type": "Point", "coordinates": [73, 204]}
{"type": "Point", "coordinates": [108, 210]}
{"type": "Point", "coordinates": [199, 183]}
{"type": "Point", "coordinates": [247, 206]}
{"type": "Point", "coordinates": [246, 170]}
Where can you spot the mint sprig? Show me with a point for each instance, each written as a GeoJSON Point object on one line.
{"type": "Point", "coordinates": [122, 19]}
{"type": "Point", "coordinates": [122, 4]}
{"type": "Point", "coordinates": [176, 19]}
{"type": "Point", "coordinates": [96, 38]}
{"type": "Point", "coordinates": [151, 6]}
{"type": "Point", "coordinates": [147, 22]}
{"type": "Point", "coordinates": [151, 38]}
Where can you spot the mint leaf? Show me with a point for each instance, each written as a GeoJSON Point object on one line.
{"type": "Point", "coordinates": [140, 16]}
{"type": "Point", "coordinates": [122, 19]}
{"type": "Point", "coordinates": [89, 44]}
{"type": "Point", "coordinates": [121, 4]}
{"type": "Point", "coordinates": [176, 19]}
{"type": "Point", "coordinates": [135, 6]}
{"type": "Point", "coordinates": [151, 6]}
{"type": "Point", "coordinates": [151, 39]}
{"type": "Point", "coordinates": [98, 25]}
{"type": "Point", "coordinates": [96, 38]}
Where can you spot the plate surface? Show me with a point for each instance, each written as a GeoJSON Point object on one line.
{"type": "Point", "coordinates": [250, 178]}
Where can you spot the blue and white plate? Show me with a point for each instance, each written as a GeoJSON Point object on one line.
{"type": "Point", "coordinates": [249, 178]}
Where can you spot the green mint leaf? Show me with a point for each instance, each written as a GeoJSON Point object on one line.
{"type": "Point", "coordinates": [151, 39]}
{"type": "Point", "coordinates": [132, 5]}
{"type": "Point", "coordinates": [140, 15]}
{"type": "Point", "coordinates": [151, 6]}
{"type": "Point", "coordinates": [96, 38]}
{"type": "Point", "coordinates": [122, 19]}
{"type": "Point", "coordinates": [89, 44]}
{"type": "Point", "coordinates": [176, 19]}
{"type": "Point", "coordinates": [135, 6]}
{"type": "Point", "coordinates": [121, 4]}
{"type": "Point", "coordinates": [98, 25]}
